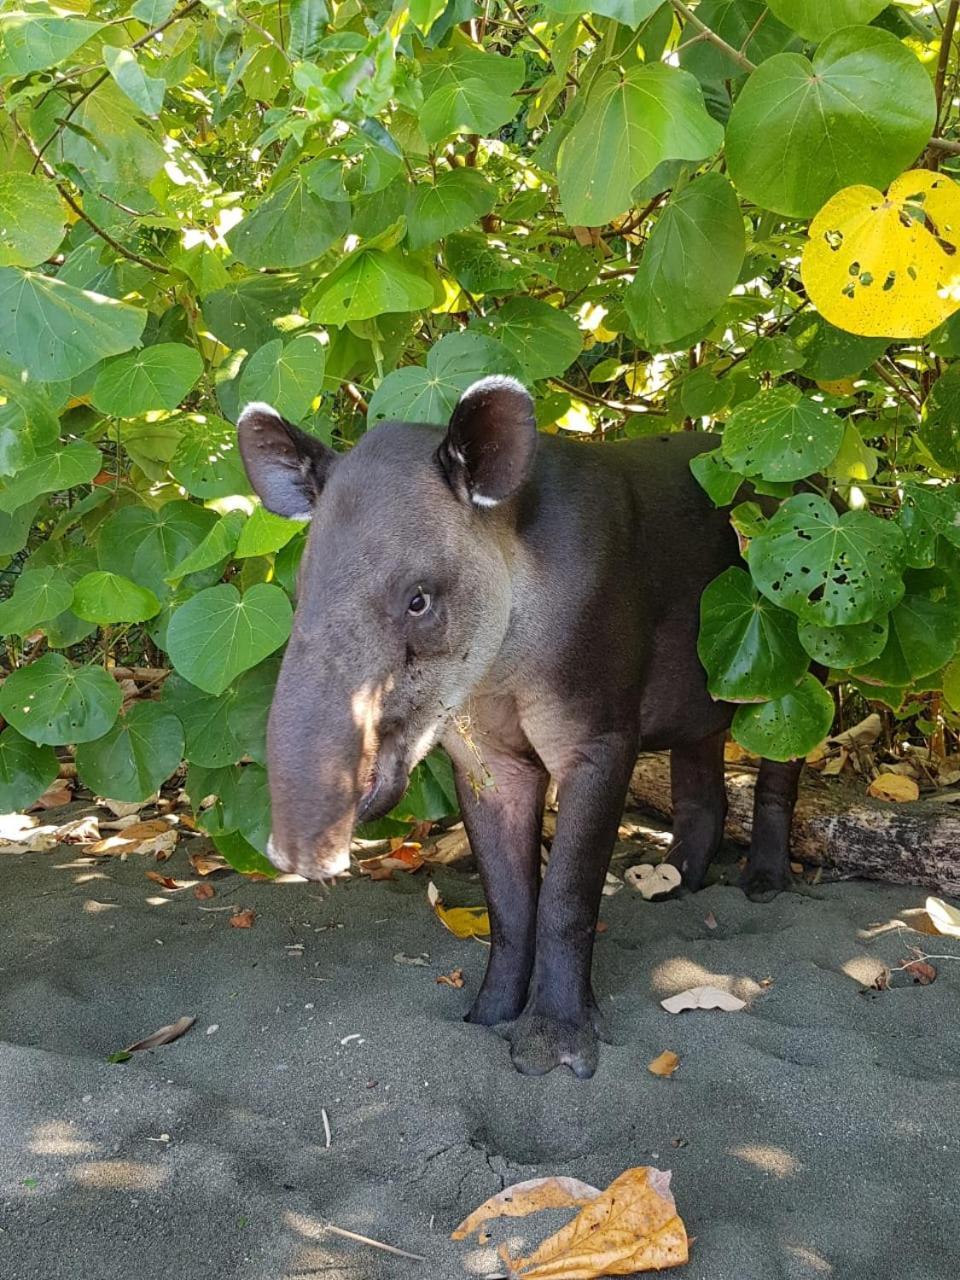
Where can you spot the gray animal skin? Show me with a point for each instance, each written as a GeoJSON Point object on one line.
{"type": "Point", "coordinates": [532, 603]}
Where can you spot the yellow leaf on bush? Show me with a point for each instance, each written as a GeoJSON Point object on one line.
{"type": "Point", "coordinates": [893, 786]}
{"type": "Point", "coordinates": [463, 922]}
{"type": "Point", "coordinates": [886, 266]}
{"type": "Point", "coordinates": [632, 1226]}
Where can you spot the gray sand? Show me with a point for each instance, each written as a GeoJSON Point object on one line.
{"type": "Point", "coordinates": [816, 1134]}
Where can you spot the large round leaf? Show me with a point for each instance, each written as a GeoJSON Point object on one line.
{"type": "Point", "coordinates": [690, 263]}
{"type": "Point", "coordinates": [106, 598]}
{"type": "Point", "coordinates": [219, 633]}
{"type": "Point", "coordinates": [817, 18]}
{"type": "Point", "coordinates": [468, 91]}
{"type": "Point", "coordinates": [66, 468]}
{"type": "Point", "coordinates": [216, 548]}
{"type": "Point", "coordinates": [39, 595]}
{"type": "Point", "coordinates": [631, 123]}
{"type": "Point", "coordinates": [829, 353]}
{"type": "Point", "coordinates": [55, 331]}
{"type": "Point", "coordinates": [372, 283]}
{"type": "Point", "coordinates": [147, 545]}
{"type": "Point", "coordinates": [844, 647]}
{"type": "Point", "coordinates": [156, 377]}
{"type": "Point", "coordinates": [781, 435]}
{"type": "Point", "coordinates": [207, 458]}
{"type": "Point", "coordinates": [543, 340]}
{"type": "Point", "coordinates": [243, 313]}
{"type": "Point", "coordinates": [787, 727]}
{"type": "Point", "coordinates": [247, 714]}
{"type": "Point", "coordinates": [54, 702]}
{"type": "Point", "coordinates": [290, 227]}
{"type": "Point", "coordinates": [209, 741]}
{"type": "Point", "coordinates": [26, 770]}
{"type": "Point", "coordinates": [827, 568]}
{"type": "Point", "coordinates": [923, 638]}
{"type": "Point", "coordinates": [415, 394]}
{"type": "Point", "coordinates": [457, 199]}
{"type": "Point", "coordinates": [748, 646]}
{"type": "Point", "coordinates": [31, 220]}
{"type": "Point", "coordinates": [799, 131]}
{"type": "Point", "coordinates": [141, 750]}
{"type": "Point", "coordinates": [37, 41]}
{"type": "Point", "coordinates": [288, 376]}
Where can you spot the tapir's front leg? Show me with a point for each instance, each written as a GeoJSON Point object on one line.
{"type": "Point", "coordinates": [560, 1023]}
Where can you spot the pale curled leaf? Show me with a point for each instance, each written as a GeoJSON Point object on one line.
{"type": "Point", "coordinates": [703, 998]}
{"type": "Point", "coordinates": [528, 1197]}
{"type": "Point", "coordinates": [163, 1035]}
{"type": "Point", "coordinates": [945, 918]}
{"type": "Point", "coordinates": [653, 882]}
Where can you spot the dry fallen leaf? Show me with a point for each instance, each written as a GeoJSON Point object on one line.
{"type": "Point", "coordinates": [703, 998]}
{"type": "Point", "coordinates": [59, 792]}
{"type": "Point", "coordinates": [123, 808]}
{"type": "Point", "coordinates": [167, 882]}
{"type": "Point", "coordinates": [524, 1198]}
{"type": "Point", "coordinates": [463, 922]}
{"type": "Point", "coordinates": [205, 864]}
{"type": "Point", "coordinates": [945, 918]}
{"type": "Point", "coordinates": [882, 981]}
{"type": "Point", "coordinates": [405, 857]}
{"type": "Point", "coordinates": [862, 734]}
{"type": "Point", "coordinates": [653, 882]}
{"type": "Point", "coordinates": [733, 753]}
{"type": "Point", "coordinates": [894, 786]}
{"type": "Point", "coordinates": [664, 1065]}
{"type": "Point", "coordinates": [632, 1226]}
{"type": "Point", "coordinates": [921, 972]}
{"type": "Point", "coordinates": [834, 767]}
{"type": "Point", "coordinates": [710, 920]}
{"type": "Point", "coordinates": [163, 1035]}
{"type": "Point", "coordinates": [204, 891]}
{"type": "Point", "coordinates": [452, 979]}
{"type": "Point", "coordinates": [243, 919]}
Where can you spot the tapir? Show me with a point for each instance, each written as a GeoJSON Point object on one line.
{"type": "Point", "coordinates": [530, 602]}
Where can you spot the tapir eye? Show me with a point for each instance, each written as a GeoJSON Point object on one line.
{"type": "Point", "coordinates": [419, 603]}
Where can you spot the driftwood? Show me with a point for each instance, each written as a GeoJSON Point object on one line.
{"type": "Point", "coordinates": [837, 826]}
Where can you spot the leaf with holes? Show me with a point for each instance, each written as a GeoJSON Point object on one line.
{"type": "Point", "coordinates": [26, 770]}
{"type": "Point", "coordinates": [844, 647]}
{"type": "Point", "coordinates": [32, 219]}
{"type": "Point", "coordinates": [218, 633]}
{"type": "Point", "coordinates": [787, 727]}
{"type": "Point", "coordinates": [923, 638]}
{"type": "Point", "coordinates": [748, 646]}
{"type": "Point", "coordinates": [416, 394]}
{"type": "Point", "coordinates": [206, 460]}
{"type": "Point", "coordinates": [873, 266]}
{"type": "Point", "coordinates": [156, 377]}
{"type": "Point", "coordinates": [781, 435]}
{"type": "Point", "coordinates": [799, 131]}
{"type": "Point", "coordinates": [139, 753]}
{"type": "Point", "coordinates": [827, 568]}
{"type": "Point", "coordinates": [940, 425]}
{"type": "Point", "coordinates": [716, 478]}
{"type": "Point", "coordinates": [53, 702]}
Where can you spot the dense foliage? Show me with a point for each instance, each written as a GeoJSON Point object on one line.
{"type": "Point", "coordinates": [353, 211]}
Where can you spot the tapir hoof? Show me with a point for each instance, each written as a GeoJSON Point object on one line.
{"type": "Point", "coordinates": [494, 1007]}
{"type": "Point", "coordinates": [762, 884]}
{"type": "Point", "coordinates": [693, 870]}
{"type": "Point", "coordinates": [538, 1043]}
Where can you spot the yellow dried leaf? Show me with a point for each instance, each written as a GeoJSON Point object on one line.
{"type": "Point", "coordinates": [528, 1197]}
{"type": "Point", "coordinates": [665, 1064]}
{"type": "Point", "coordinates": [886, 266]}
{"type": "Point", "coordinates": [894, 786]}
{"type": "Point", "coordinates": [463, 922]}
{"type": "Point", "coordinates": [837, 386]}
{"type": "Point", "coordinates": [944, 918]}
{"type": "Point", "coordinates": [632, 1226]}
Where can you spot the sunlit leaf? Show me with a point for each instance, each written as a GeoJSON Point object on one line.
{"type": "Point", "coordinates": [156, 377]}
{"type": "Point", "coordinates": [106, 598]}
{"type": "Point", "coordinates": [32, 218]}
{"type": "Point", "coordinates": [218, 633]}
{"type": "Point", "coordinates": [52, 702]}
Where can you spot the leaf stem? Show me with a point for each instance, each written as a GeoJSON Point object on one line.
{"type": "Point", "coordinates": [946, 42]}
{"type": "Point", "coordinates": [735, 55]}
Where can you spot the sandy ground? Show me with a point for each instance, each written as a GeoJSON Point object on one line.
{"type": "Point", "coordinates": [816, 1134]}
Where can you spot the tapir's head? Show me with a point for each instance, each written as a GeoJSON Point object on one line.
{"type": "Point", "coordinates": [404, 601]}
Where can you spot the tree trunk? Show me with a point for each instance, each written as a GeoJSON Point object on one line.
{"type": "Point", "coordinates": [837, 826]}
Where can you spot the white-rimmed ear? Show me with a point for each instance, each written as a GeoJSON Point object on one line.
{"type": "Point", "coordinates": [490, 443]}
{"type": "Point", "coordinates": [286, 467]}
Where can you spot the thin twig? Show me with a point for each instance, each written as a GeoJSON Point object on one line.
{"type": "Point", "coordinates": [689, 16]}
{"type": "Point", "coordinates": [376, 1244]}
{"type": "Point", "coordinates": [946, 42]}
{"type": "Point", "coordinates": [945, 144]}
{"type": "Point", "coordinates": [544, 48]}
{"type": "Point", "coordinates": [326, 1127]}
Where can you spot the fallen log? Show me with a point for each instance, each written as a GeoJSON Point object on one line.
{"type": "Point", "coordinates": [836, 826]}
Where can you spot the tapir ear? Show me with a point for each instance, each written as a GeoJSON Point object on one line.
{"type": "Point", "coordinates": [488, 450]}
{"type": "Point", "coordinates": [286, 467]}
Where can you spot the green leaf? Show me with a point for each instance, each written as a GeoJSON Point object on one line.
{"type": "Point", "coordinates": [208, 739]}
{"type": "Point", "coordinates": [720, 483]}
{"type": "Point", "coordinates": [156, 377]}
{"type": "Point", "coordinates": [145, 92]}
{"type": "Point", "coordinates": [456, 200]}
{"type": "Point", "coordinates": [748, 647]}
{"type": "Point", "coordinates": [139, 753]}
{"type": "Point", "coordinates": [146, 545]}
{"type": "Point", "coordinates": [55, 331]}
{"type": "Point", "coordinates": [242, 856]}
{"type": "Point", "coordinates": [371, 283]}
{"type": "Point", "coordinates": [951, 684]}
{"type": "Point", "coordinates": [923, 637]}
{"type": "Point", "coordinates": [543, 340]}
{"type": "Point", "coordinates": [26, 771]}
{"type": "Point", "coordinates": [218, 634]}
{"type": "Point", "coordinates": [32, 219]}
{"type": "Point", "coordinates": [800, 131]}
{"type": "Point", "coordinates": [829, 569]}
{"type": "Point", "coordinates": [152, 12]}
{"type": "Point", "coordinates": [928, 512]}
{"type": "Point", "coordinates": [743, 24]}
{"type": "Point", "coordinates": [244, 313]}
{"type": "Point", "coordinates": [467, 91]}
{"type": "Point", "coordinates": [246, 805]}
{"type": "Point", "coordinates": [690, 263]}
{"type": "Point", "coordinates": [289, 377]}
{"type": "Point", "coordinates": [77, 464]}
{"type": "Point", "coordinates": [106, 598]}
{"type": "Point", "coordinates": [207, 458]}
{"type": "Point", "coordinates": [431, 794]}
{"type": "Point", "coordinates": [308, 20]}
{"type": "Point", "coordinates": [628, 12]}
{"type": "Point", "coordinates": [632, 122]}
{"type": "Point", "coordinates": [786, 728]}
{"type": "Point", "coordinates": [39, 595]}
{"type": "Point", "coordinates": [781, 435]}
{"type": "Point", "coordinates": [703, 393]}
{"type": "Point", "coordinates": [425, 13]}
{"type": "Point", "coordinates": [15, 528]}
{"type": "Point", "coordinates": [35, 42]}
{"type": "Point", "coordinates": [247, 715]}
{"type": "Point", "coordinates": [415, 394]}
{"type": "Point", "coordinates": [218, 545]}
{"type": "Point", "coordinates": [291, 227]}
{"type": "Point", "coordinates": [940, 427]}
{"type": "Point", "coordinates": [844, 647]}
{"type": "Point", "coordinates": [53, 702]}
{"type": "Point", "coordinates": [814, 19]}
{"type": "Point", "coordinates": [265, 533]}
{"type": "Point", "coordinates": [829, 353]}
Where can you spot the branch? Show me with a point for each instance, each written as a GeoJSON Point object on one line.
{"type": "Point", "coordinates": [946, 41]}
{"type": "Point", "coordinates": [945, 144]}
{"type": "Point", "coordinates": [734, 54]}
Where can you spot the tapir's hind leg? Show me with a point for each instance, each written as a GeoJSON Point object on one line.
{"type": "Point", "coordinates": [699, 806]}
{"type": "Point", "coordinates": [768, 864]}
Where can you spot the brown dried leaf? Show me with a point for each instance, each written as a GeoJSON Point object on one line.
{"type": "Point", "coordinates": [528, 1197]}
{"type": "Point", "coordinates": [894, 786]}
{"type": "Point", "coordinates": [921, 972]}
{"type": "Point", "coordinates": [664, 1065]}
{"type": "Point", "coordinates": [452, 979]}
{"type": "Point", "coordinates": [632, 1226]}
{"type": "Point", "coordinates": [243, 919]}
{"type": "Point", "coordinates": [882, 981]}
{"type": "Point", "coordinates": [403, 857]}
{"type": "Point", "coordinates": [167, 882]}
{"type": "Point", "coordinates": [203, 891]}
{"type": "Point", "coordinates": [205, 864]}
{"type": "Point", "coordinates": [163, 1035]}
{"type": "Point", "coordinates": [58, 793]}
